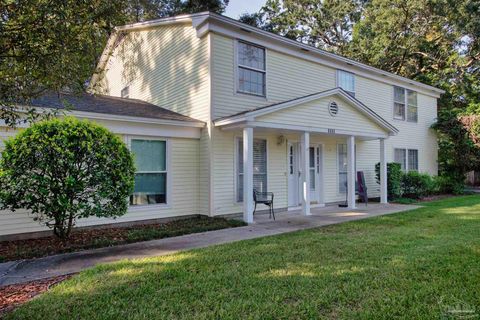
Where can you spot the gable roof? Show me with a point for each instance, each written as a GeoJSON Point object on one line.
{"type": "Point", "coordinates": [109, 105]}
{"type": "Point", "coordinates": [203, 22]}
{"type": "Point", "coordinates": [263, 110]}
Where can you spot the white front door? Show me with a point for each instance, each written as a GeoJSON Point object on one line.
{"type": "Point", "coordinates": [316, 174]}
{"type": "Point", "coordinates": [293, 175]}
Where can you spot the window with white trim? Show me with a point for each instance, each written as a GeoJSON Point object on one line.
{"type": "Point", "coordinates": [412, 160]}
{"type": "Point", "coordinates": [151, 175]}
{"type": "Point", "coordinates": [407, 158]}
{"type": "Point", "coordinates": [251, 72]}
{"type": "Point", "coordinates": [125, 93]}
{"type": "Point", "coordinates": [405, 104]}
{"type": "Point", "coordinates": [346, 81]}
{"type": "Point", "coordinates": [342, 166]}
{"type": "Point", "coordinates": [259, 166]}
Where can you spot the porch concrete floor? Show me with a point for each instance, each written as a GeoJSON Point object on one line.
{"type": "Point", "coordinates": [288, 221]}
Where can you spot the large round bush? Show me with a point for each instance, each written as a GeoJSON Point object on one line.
{"type": "Point", "coordinates": [64, 170]}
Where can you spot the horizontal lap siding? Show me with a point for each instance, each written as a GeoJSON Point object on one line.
{"type": "Point", "coordinates": [287, 78]}
{"type": "Point", "coordinates": [315, 114]}
{"type": "Point", "coordinates": [184, 175]}
{"type": "Point", "coordinates": [224, 171]}
{"type": "Point", "coordinates": [411, 135]}
{"type": "Point", "coordinates": [167, 66]}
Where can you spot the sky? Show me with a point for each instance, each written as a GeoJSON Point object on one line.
{"type": "Point", "coordinates": [236, 7]}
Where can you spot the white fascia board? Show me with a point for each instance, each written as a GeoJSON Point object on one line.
{"type": "Point", "coordinates": [297, 128]}
{"type": "Point", "coordinates": [104, 116]}
{"type": "Point", "coordinates": [250, 116]}
{"type": "Point", "coordinates": [237, 30]}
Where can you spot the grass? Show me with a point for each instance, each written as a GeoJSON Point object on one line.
{"type": "Point", "coordinates": [421, 264]}
{"type": "Point", "coordinates": [98, 238]}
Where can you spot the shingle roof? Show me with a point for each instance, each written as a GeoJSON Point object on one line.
{"type": "Point", "coordinates": [108, 105]}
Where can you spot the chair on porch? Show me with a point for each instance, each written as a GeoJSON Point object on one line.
{"type": "Point", "coordinates": [361, 187]}
{"type": "Point", "coordinates": [265, 198]}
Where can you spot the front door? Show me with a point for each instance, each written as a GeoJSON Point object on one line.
{"type": "Point", "coordinates": [293, 175]}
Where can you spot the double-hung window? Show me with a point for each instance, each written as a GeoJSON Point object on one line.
{"type": "Point", "coordinates": [342, 166]}
{"type": "Point", "coordinates": [259, 167]}
{"type": "Point", "coordinates": [251, 69]}
{"type": "Point", "coordinates": [407, 158]}
{"type": "Point", "coordinates": [346, 81]}
{"type": "Point", "coordinates": [151, 175]}
{"type": "Point", "coordinates": [405, 104]}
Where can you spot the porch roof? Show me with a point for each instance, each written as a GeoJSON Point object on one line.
{"type": "Point", "coordinates": [360, 115]}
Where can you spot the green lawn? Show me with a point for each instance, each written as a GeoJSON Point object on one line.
{"type": "Point", "coordinates": [414, 265]}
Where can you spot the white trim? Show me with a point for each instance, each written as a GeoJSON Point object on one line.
{"type": "Point", "coordinates": [205, 22]}
{"type": "Point", "coordinates": [248, 175]}
{"type": "Point", "coordinates": [235, 29]}
{"type": "Point", "coordinates": [236, 79]}
{"type": "Point", "coordinates": [236, 140]}
{"type": "Point", "coordinates": [304, 158]}
{"type": "Point", "coordinates": [338, 81]}
{"type": "Point", "coordinates": [251, 115]}
{"type": "Point", "coordinates": [351, 173]}
{"type": "Point", "coordinates": [168, 198]}
{"type": "Point", "coordinates": [383, 173]}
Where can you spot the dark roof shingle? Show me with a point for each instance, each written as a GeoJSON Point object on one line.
{"type": "Point", "coordinates": [108, 105]}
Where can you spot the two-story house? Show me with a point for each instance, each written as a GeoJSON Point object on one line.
{"type": "Point", "coordinates": [223, 108]}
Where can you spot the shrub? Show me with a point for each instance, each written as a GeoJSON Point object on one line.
{"type": "Point", "coordinates": [416, 185]}
{"type": "Point", "coordinates": [446, 184]}
{"type": "Point", "coordinates": [64, 170]}
{"type": "Point", "coordinates": [394, 179]}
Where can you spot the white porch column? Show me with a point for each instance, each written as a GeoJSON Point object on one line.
{"type": "Point", "coordinates": [305, 166]}
{"type": "Point", "coordinates": [383, 173]}
{"type": "Point", "coordinates": [248, 175]}
{"type": "Point", "coordinates": [351, 172]}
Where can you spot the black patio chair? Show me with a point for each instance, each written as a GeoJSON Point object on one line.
{"type": "Point", "coordinates": [265, 198]}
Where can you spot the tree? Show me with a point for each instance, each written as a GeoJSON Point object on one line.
{"type": "Point", "coordinates": [323, 24]}
{"type": "Point", "coordinates": [433, 41]}
{"type": "Point", "coordinates": [53, 45]}
{"type": "Point", "coordinates": [65, 170]}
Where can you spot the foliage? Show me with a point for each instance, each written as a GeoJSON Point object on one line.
{"type": "Point", "coordinates": [447, 185]}
{"type": "Point", "coordinates": [64, 170]}
{"type": "Point", "coordinates": [50, 45]}
{"type": "Point", "coordinates": [420, 264]}
{"type": "Point", "coordinates": [394, 179]}
{"type": "Point", "coordinates": [435, 42]}
{"type": "Point", "coordinates": [416, 185]}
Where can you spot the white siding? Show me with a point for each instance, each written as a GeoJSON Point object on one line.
{"type": "Point", "coordinates": [167, 66]}
{"type": "Point", "coordinates": [184, 172]}
{"type": "Point", "coordinates": [282, 70]}
{"type": "Point", "coordinates": [315, 114]}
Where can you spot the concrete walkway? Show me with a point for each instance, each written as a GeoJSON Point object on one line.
{"type": "Point", "coordinates": [34, 269]}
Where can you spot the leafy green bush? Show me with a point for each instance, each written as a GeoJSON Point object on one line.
{"type": "Point", "coordinates": [416, 185]}
{"type": "Point", "coordinates": [394, 179]}
{"type": "Point", "coordinates": [64, 170]}
{"type": "Point", "coordinates": [446, 184]}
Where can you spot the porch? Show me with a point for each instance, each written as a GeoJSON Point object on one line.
{"type": "Point", "coordinates": [303, 126]}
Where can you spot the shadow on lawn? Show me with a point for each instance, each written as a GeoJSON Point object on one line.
{"type": "Point", "coordinates": [399, 265]}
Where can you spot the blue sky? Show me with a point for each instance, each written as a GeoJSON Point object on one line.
{"type": "Point", "coordinates": [236, 7]}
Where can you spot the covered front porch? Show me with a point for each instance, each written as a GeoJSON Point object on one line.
{"type": "Point", "coordinates": [305, 123]}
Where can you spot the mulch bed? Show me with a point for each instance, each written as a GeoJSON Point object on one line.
{"type": "Point", "coordinates": [13, 295]}
{"type": "Point", "coordinates": [97, 238]}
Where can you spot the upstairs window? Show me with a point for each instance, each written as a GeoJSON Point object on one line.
{"type": "Point", "coordinates": [251, 69]}
{"type": "Point", "coordinates": [346, 81]}
{"type": "Point", "coordinates": [405, 104]}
